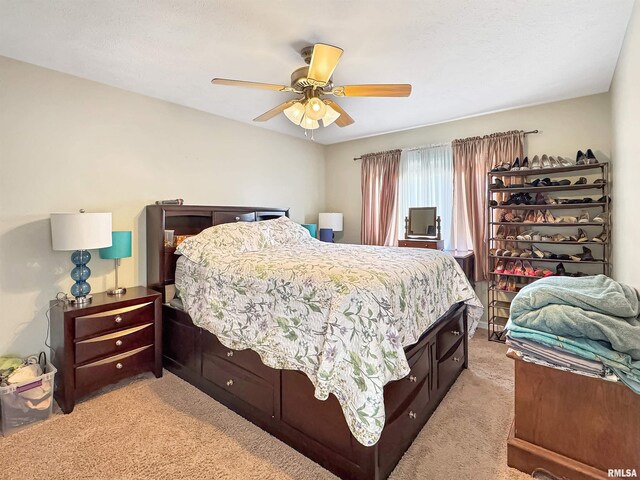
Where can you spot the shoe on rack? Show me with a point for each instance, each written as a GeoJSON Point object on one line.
{"type": "Point", "coordinates": [524, 165]}
{"type": "Point", "coordinates": [604, 199]}
{"type": "Point", "coordinates": [519, 268]}
{"type": "Point", "coordinates": [500, 233]}
{"type": "Point", "coordinates": [566, 219]}
{"type": "Point", "coordinates": [591, 158]}
{"type": "Point", "coordinates": [509, 268]}
{"type": "Point", "coordinates": [528, 268]}
{"type": "Point", "coordinates": [540, 199]}
{"type": "Point", "coordinates": [549, 218]}
{"type": "Point", "coordinates": [581, 158]}
{"type": "Point", "coordinates": [587, 255]}
{"type": "Point", "coordinates": [563, 182]}
{"type": "Point", "coordinates": [535, 162]}
{"type": "Point", "coordinates": [497, 184]}
{"type": "Point", "coordinates": [504, 167]}
{"type": "Point", "coordinates": [550, 201]}
{"type": "Point", "coordinates": [506, 217]}
{"type": "Point", "coordinates": [560, 270]}
{"type": "Point", "coordinates": [599, 181]}
{"type": "Point", "coordinates": [582, 236]}
{"type": "Point", "coordinates": [537, 252]}
{"type": "Point", "coordinates": [553, 162]}
{"type": "Point", "coordinates": [493, 203]}
{"type": "Point", "coordinates": [546, 238]}
{"type": "Point", "coordinates": [546, 272]}
{"type": "Point", "coordinates": [526, 254]}
{"type": "Point", "coordinates": [584, 217]}
{"type": "Point", "coordinates": [602, 238]}
{"type": "Point", "coordinates": [511, 234]}
{"type": "Point", "coordinates": [539, 218]}
{"type": "Point", "coordinates": [536, 237]}
{"type": "Point", "coordinates": [516, 252]}
{"type": "Point", "coordinates": [563, 256]}
{"type": "Point", "coordinates": [530, 217]}
{"type": "Point", "coordinates": [516, 164]}
{"type": "Point", "coordinates": [600, 218]}
{"type": "Point", "coordinates": [581, 181]}
{"type": "Point", "coordinates": [558, 237]}
{"type": "Point", "coordinates": [502, 283]}
{"type": "Point", "coordinates": [511, 285]}
{"type": "Point", "coordinates": [524, 235]}
{"type": "Point", "coordinates": [565, 162]}
{"type": "Point", "coordinates": [545, 162]}
{"type": "Point", "coordinates": [499, 267]}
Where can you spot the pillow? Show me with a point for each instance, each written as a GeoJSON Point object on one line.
{"type": "Point", "coordinates": [241, 237]}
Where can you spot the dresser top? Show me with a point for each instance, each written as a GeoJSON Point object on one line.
{"type": "Point", "coordinates": [102, 300]}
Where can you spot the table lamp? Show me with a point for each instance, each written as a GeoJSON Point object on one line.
{"type": "Point", "coordinates": [120, 248]}
{"type": "Point", "coordinates": [329, 223]}
{"type": "Point", "coordinates": [80, 232]}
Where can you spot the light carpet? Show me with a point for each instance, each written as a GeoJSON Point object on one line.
{"type": "Point", "coordinates": [164, 428]}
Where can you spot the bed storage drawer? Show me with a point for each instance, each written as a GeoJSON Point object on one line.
{"type": "Point", "coordinates": [450, 334]}
{"type": "Point", "coordinates": [450, 366]}
{"type": "Point", "coordinates": [119, 341]}
{"type": "Point", "coordinates": [111, 369]}
{"type": "Point", "coordinates": [231, 217]}
{"type": "Point", "coordinates": [399, 392]}
{"type": "Point", "coordinates": [112, 320]}
{"type": "Point", "coordinates": [246, 359]}
{"type": "Point", "coordinates": [247, 387]}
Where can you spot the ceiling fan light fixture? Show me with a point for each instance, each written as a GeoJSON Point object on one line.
{"type": "Point", "coordinates": [295, 112]}
{"type": "Point", "coordinates": [330, 116]}
{"type": "Point", "coordinates": [309, 123]}
{"type": "Point", "coordinates": [315, 108]}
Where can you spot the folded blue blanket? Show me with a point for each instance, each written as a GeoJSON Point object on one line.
{"type": "Point", "coordinates": [593, 308]}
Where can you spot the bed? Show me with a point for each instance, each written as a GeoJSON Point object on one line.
{"type": "Point", "coordinates": [341, 351]}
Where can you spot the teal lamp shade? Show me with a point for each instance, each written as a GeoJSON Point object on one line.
{"type": "Point", "coordinates": [120, 246]}
{"type": "Point", "coordinates": [313, 229]}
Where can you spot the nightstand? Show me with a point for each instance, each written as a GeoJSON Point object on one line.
{"type": "Point", "coordinates": [105, 341]}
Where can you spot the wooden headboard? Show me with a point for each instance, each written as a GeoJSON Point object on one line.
{"type": "Point", "coordinates": [189, 220]}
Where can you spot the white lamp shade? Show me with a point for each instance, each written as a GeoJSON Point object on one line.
{"type": "Point", "coordinates": [330, 220]}
{"type": "Point", "coordinates": [80, 231]}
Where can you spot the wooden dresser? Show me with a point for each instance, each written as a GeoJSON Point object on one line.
{"type": "Point", "coordinates": [433, 244]}
{"type": "Point", "coordinates": [107, 340]}
{"type": "Point", "coordinates": [572, 426]}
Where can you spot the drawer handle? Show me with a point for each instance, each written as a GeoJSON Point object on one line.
{"type": "Point", "coordinates": [229, 383]}
{"type": "Point", "coordinates": [455, 332]}
{"type": "Point", "coordinates": [456, 359]}
{"type": "Point", "coordinates": [118, 318]}
{"type": "Point", "coordinates": [229, 353]}
{"type": "Point", "coordinates": [119, 366]}
{"type": "Point", "coordinates": [118, 343]}
{"type": "Point", "coordinates": [413, 378]}
{"type": "Point", "coordinates": [412, 414]}
{"type": "Point", "coordinates": [237, 218]}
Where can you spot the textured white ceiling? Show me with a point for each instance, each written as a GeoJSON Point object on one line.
{"type": "Point", "coordinates": [463, 57]}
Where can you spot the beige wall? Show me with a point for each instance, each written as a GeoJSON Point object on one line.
{"type": "Point", "coordinates": [565, 127]}
{"type": "Point", "coordinates": [68, 143]}
{"type": "Point", "coordinates": [625, 108]}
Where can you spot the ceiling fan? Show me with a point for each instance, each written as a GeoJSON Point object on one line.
{"type": "Point", "coordinates": [312, 83]}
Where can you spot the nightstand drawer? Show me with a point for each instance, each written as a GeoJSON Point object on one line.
{"type": "Point", "coordinates": [103, 372]}
{"type": "Point", "coordinates": [112, 343]}
{"type": "Point", "coordinates": [111, 320]}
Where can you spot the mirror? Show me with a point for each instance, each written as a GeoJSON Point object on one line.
{"type": "Point", "coordinates": [422, 222]}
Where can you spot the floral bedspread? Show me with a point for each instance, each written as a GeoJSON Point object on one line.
{"type": "Point", "coordinates": [339, 313]}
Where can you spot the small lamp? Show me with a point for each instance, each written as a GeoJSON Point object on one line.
{"type": "Point", "coordinates": [120, 248]}
{"type": "Point", "coordinates": [80, 232]}
{"type": "Point", "coordinates": [328, 224]}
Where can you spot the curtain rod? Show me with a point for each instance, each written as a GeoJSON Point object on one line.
{"type": "Point", "coordinates": [526, 133]}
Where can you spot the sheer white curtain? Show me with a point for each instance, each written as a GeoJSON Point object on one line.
{"type": "Point", "coordinates": [426, 180]}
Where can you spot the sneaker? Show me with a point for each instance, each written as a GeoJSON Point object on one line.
{"type": "Point", "coordinates": [584, 217]}
{"type": "Point", "coordinates": [582, 236]}
{"type": "Point", "coordinates": [600, 218]}
{"type": "Point", "coordinates": [602, 238]}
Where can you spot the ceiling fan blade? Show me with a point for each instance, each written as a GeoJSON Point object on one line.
{"type": "Point", "coordinates": [324, 60]}
{"type": "Point", "coordinates": [375, 90]}
{"type": "Point", "coordinates": [241, 83]}
{"type": "Point", "coordinates": [274, 111]}
{"type": "Point", "coordinates": [344, 119]}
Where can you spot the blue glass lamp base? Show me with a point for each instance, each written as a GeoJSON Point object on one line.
{"type": "Point", "coordinates": [81, 273]}
{"type": "Point", "coordinates": [326, 235]}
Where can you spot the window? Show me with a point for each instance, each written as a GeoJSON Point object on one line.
{"type": "Point", "coordinates": [426, 180]}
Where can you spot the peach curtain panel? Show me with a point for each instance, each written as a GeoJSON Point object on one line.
{"type": "Point", "coordinates": [379, 180]}
{"type": "Point", "coordinates": [472, 159]}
